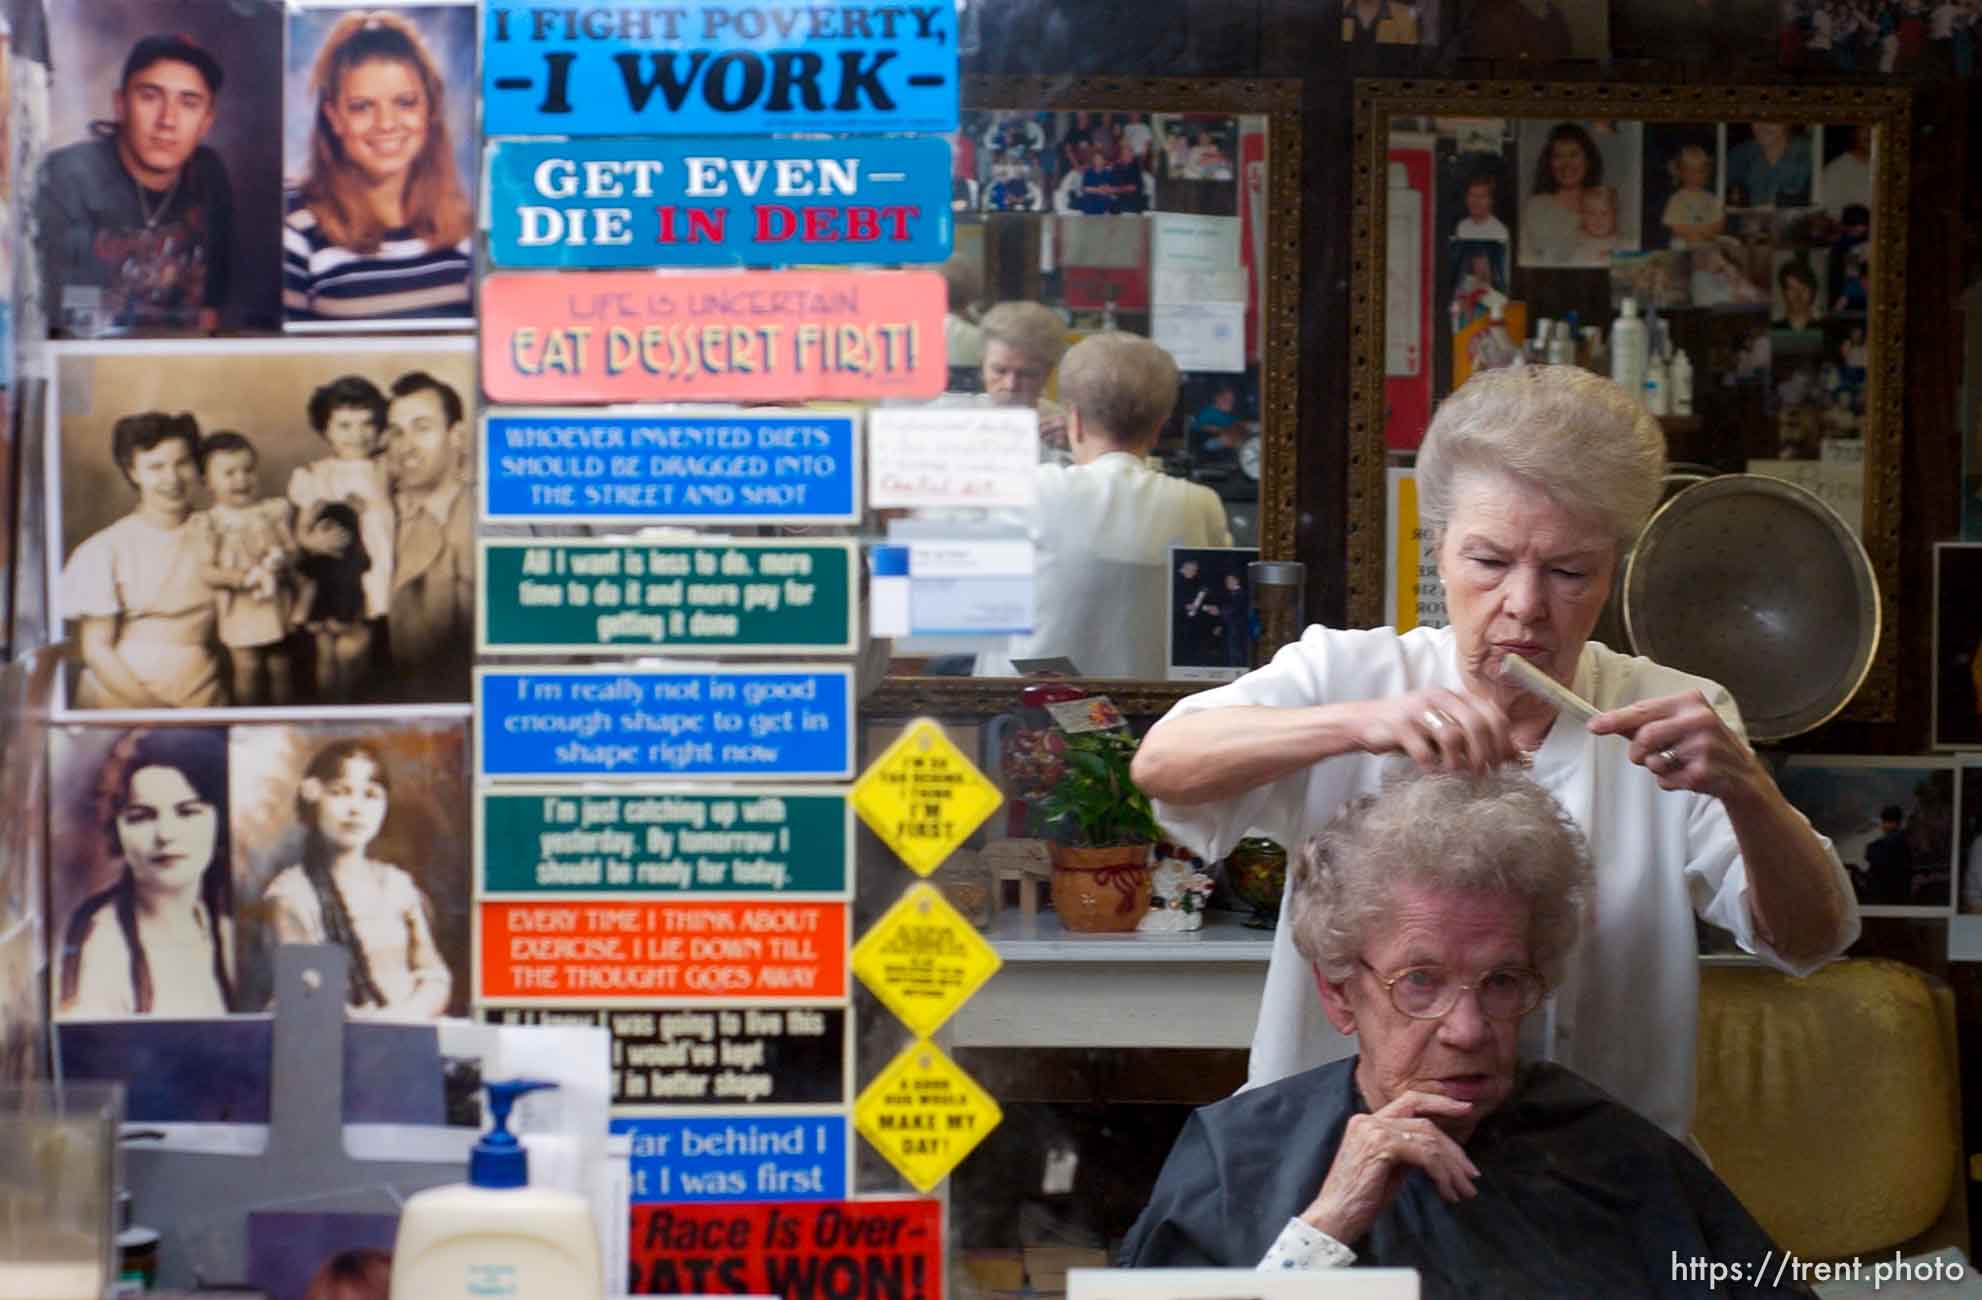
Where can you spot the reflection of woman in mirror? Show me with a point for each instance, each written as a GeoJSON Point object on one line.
{"type": "Point", "coordinates": [138, 588]}
{"type": "Point", "coordinates": [339, 894]}
{"type": "Point", "coordinates": [379, 226]}
{"type": "Point", "coordinates": [160, 940]}
{"type": "Point", "coordinates": [1531, 482]}
{"type": "Point", "coordinates": [1798, 281]}
{"type": "Point", "coordinates": [1552, 218]}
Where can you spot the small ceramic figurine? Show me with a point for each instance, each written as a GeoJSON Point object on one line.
{"type": "Point", "coordinates": [1178, 893]}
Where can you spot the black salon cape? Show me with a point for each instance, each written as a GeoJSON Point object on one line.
{"type": "Point", "coordinates": [1578, 1196]}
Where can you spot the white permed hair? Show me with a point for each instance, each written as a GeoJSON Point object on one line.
{"type": "Point", "coordinates": [1123, 385]}
{"type": "Point", "coordinates": [1499, 833]}
{"type": "Point", "coordinates": [1028, 327]}
{"type": "Point", "coordinates": [1576, 436]}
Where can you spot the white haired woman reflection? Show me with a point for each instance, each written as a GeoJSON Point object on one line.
{"type": "Point", "coordinates": [1531, 482]}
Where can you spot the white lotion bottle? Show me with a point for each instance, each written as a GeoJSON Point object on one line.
{"type": "Point", "coordinates": [496, 1236]}
{"type": "Point", "coordinates": [1682, 384]}
{"type": "Point", "coordinates": [1630, 349]}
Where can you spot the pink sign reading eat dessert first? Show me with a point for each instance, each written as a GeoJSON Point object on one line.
{"type": "Point", "coordinates": [636, 336]}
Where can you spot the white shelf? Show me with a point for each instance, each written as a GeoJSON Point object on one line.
{"type": "Point", "coordinates": [1224, 938]}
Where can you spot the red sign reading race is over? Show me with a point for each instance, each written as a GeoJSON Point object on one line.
{"type": "Point", "coordinates": [637, 336]}
{"type": "Point", "coordinates": [883, 1248]}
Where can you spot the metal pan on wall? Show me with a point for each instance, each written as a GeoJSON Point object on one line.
{"type": "Point", "coordinates": [1757, 584]}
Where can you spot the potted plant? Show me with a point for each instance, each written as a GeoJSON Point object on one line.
{"type": "Point", "coordinates": [1101, 829]}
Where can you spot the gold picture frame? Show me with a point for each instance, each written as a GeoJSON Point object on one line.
{"type": "Point", "coordinates": [1278, 101]}
{"type": "Point", "coordinates": [1381, 104]}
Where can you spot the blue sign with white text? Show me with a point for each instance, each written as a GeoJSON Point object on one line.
{"type": "Point", "coordinates": [743, 1158]}
{"type": "Point", "coordinates": [638, 723]}
{"type": "Point", "coordinates": [707, 466]}
{"type": "Point", "coordinates": [716, 202]}
{"type": "Point", "coordinates": [718, 67]}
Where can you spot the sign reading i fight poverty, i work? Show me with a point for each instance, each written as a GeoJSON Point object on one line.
{"type": "Point", "coordinates": [726, 596]}
{"type": "Point", "coordinates": [713, 466]}
{"type": "Point", "coordinates": [718, 202]}
{"type": "Point", "coordinates": [718, 67]}
{"type": "Point", "coordinates": [638, 723]}
{"type": "Point", "coordinates": [771, 336]}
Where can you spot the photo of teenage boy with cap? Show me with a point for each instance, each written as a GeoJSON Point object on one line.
{"type": "Point", "coordinates": [137, 222]}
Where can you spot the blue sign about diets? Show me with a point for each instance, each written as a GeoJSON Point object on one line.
{"type": "Point", "coordinates": [641, 723]}
{"type": "Point", "coordinates": [708, 466]}
{"type": "Point", "coordinates": [718, 203]}
{"type": "Point", "coordinates": [719, 67]}
{"type": "Point", "coordinates": [738, 1158]}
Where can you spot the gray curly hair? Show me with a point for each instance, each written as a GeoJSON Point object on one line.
{"type": "Point", "coordinates": [1027, 327]}
{"type": "Point", "coordinates": [1498, 833]}
{"type": "Point", "coordinates": [1588, 446]}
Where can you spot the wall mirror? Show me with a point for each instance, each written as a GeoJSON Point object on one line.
{"type": "Point", "coordinates": [1170, 208]}
{"type": "Point", "coordinates": [1763, 228]}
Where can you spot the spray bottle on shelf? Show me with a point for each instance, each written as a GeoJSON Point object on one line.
{"type": "Point", "coordinates": [1562, 346]}
{"type": "Point", "coordinates": [1629, 349]}
{"type": "Point", "coordinates": [1682, 384]}
{"type": "Point", "coordinates": [1658, 386]}
{"type": "Point", "coordinates": [495, 1235]}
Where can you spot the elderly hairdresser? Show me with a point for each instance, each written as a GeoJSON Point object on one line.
{"type": "Point", "coordinates": [1432, 918]}
{"type": "Point", "coordinates": [1531, 481]}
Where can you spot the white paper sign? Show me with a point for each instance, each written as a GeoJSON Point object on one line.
{"type": "Point", "coordinates": [925, 456]}
{"type": "Point", "coordinates": [951, 588]}
{"type": "Point", "coordinates": [1204, 336]}
{"type": "Point", "coordinates": [1404, 271]}
{"type": "Point", "coordinates": [1182, 241]}
{"type": "Point", "coordinates": [1171, 287]}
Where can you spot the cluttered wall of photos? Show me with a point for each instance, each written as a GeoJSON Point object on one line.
{"type": "Point", "coordinates": [1750, 242]}
{"type": "Point", "coordinates": [1760, 233]}
{"type": "Point", "coordinates": [166, 203]}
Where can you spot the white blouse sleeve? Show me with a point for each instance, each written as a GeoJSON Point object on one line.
{"type": "Point", "coordinates": [1717, 878]}
{"type": "Point", "coordinates": [89, 579]}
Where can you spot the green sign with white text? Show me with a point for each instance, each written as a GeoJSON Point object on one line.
{"type": "Point", "coordinates": [728, 596]}
{"type": "Point", "coordinates": [759, 840]}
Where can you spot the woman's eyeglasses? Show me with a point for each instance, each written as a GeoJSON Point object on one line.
{"type": "Point", "coordinates": [1429, 992]}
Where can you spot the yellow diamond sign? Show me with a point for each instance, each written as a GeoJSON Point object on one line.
{"type": "Point", "coordinates": [925, 1115]}
{"type": "Point", "coordinates": [923, 797]}
{"type": "Point", "coordinates": [923, 959]}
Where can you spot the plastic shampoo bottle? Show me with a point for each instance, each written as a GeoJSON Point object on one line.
{"type": "Point", "coordinates": [495, 1237]}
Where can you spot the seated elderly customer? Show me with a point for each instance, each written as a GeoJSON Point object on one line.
{"type": "Point", "coordinates": [1531, 483]}
{"type": "Point", "coordinates": [1103, 526]}
{"type": "Point", "coordinates": [1022, 343]}
{"type": "Point", "coordinates": [1433, 916]}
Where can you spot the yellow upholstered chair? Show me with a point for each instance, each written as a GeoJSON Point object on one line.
{"type": "Point", "coordinates": [1832, 1106]}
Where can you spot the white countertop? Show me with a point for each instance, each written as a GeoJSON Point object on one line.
{"type": "Point", "coordinates": [1224, 938]}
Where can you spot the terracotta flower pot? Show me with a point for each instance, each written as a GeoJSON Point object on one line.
{"type": "Point", "coordinates": [1103, 890]}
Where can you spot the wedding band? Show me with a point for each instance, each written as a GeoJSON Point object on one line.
{"type": "Point", "coordinates": [1435, 719]}
{"type": "Point", "coordinates": [1672, 760]}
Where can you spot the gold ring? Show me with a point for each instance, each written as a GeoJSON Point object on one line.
{"type": "Point", "coordinates": [1436, 719]}
{"type": "Point", "coordinates": [1672, 760]}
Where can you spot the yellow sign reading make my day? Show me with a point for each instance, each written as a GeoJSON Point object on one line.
{"type": "Point", "coordinates": [923, 959]}
{"type": "Point", "coordinates": [923, 797]}
{"type": "Point", "coordinates": [924, 1114]}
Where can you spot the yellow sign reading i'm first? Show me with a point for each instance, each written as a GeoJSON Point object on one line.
{"type": "Point", "coordinates": [923, 797]}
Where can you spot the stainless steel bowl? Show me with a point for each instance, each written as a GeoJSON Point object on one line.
{"type": "Point", "coordinates": [1756, 583]}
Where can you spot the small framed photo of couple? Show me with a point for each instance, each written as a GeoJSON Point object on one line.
{"type": "Point", "coordinates": [262, 525]}
{"type": "Point", "coordinates": [1211, 628]}
{"type": "Point", "coordinates": [1893, 821]}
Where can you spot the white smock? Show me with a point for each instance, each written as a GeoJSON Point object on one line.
{"type": "Point", "coordinates": [1626, 1013]}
